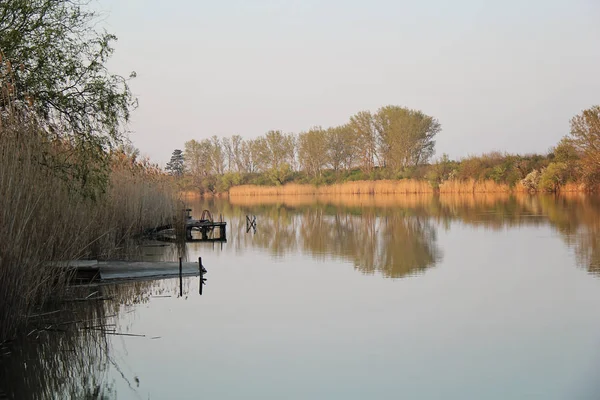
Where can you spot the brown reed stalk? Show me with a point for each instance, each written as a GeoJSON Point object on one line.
{"type": "Point", "coordinates": [43, 219]}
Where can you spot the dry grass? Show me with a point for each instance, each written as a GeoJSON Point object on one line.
{"type": "Point", "coordinates": [572, 187]}
{"type": "Point", "coordinates": [43, 219]}
{"type": "Point", "coordinates": [473, 186]}
{"type": "Point", "coordinates": [406, 186]}
{"type": "Point", "coordinates": [389, 187]}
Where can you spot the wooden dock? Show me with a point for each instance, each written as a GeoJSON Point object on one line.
{"type": "Point", "coordinates": [93, 270]}
{"type": "Point", "coordinates": [210, 230]}
{"type": "Point", "coordinates": [207, 230]}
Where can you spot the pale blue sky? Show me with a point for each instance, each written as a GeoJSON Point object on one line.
{"type": "Point", "coordinates": [498, 75]}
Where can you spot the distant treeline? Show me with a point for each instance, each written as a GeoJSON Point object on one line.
{"type": "Point", "coordinates": [393, 143]}
{"type": "Point", "coordinates": [371, 145]}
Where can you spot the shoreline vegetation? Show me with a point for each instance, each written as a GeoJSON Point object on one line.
{"type": "Point", "coordinates": [71, 186]}
{"type": "Point", "coordinates": [388, 187]}
{"type": "Point", "coordinates": [48, 215]}
{"type": "Point", "coordinates": [388, 151]}
{"type": "Point", "coordinates": [278, 164]}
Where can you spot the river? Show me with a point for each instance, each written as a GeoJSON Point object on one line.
{"type": "Point", "coordinates": [415, 297]}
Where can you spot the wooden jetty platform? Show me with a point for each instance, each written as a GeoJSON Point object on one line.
{"type": "Point", "coordinates": [93, 270]}
{"type": "Point", "coordinates": [210, 230]}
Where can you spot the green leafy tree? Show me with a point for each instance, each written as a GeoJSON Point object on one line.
{"type": "Point", "coordinates": [205, 162]}
{"type": "Point", "coordinates": [233, 152]}
{"type": "Point", "coordinates": [585, 137]}
{"type": "Point", "coordinates": [406, 137]}
{"type": "Point", "coordinates": [363, 126]}
{"type": "Point", "coordinates": [250, 156]}
{"type": "Point", "coordinates": [440, 171]}
{"type": "Point", "coordinates": [312, 151]}
{"type": "Point", "coordinates": [53, 71]}
{"type": "Point", "coordinates": [565, 152]}
{"type": "Point", "coordinates": [217, 156]}
{"type": "Point", "coordinates": [274, 154]}
{"type": "Point", "coordinates": [341, 147]}
{"type": "Point", "coordinates": [57, 65]}
{"type": "Point", "coordinates": [553, 177]}
{"type": "Point", "coordinates": [227, 180]}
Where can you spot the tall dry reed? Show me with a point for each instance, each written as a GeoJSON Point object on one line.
{"type": "Point", "coordinates": [42, 219]}
{"type": "Point", "coordinates": [473, 186]}
{"type": "Point", "coordinates": [406, 186]}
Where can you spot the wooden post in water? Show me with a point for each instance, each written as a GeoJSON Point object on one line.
{"type": "Point", "coordinates": [180, 278]}
{"type": "Point", "coordinates": [201, 269]}
{"type": "Point", "coordinates": [250, 223]}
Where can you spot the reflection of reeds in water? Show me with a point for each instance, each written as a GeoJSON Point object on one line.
{"type": "Point", "coordinates": [473, 186]}
{"type": "Point", "coordinates": [63, 356]}
{"type": "Point", "coordinates": [67, 353]}
{"type": "Point", "coordinates": [347, 200]}
{"type": "Point", "coordinates": [370, 201]}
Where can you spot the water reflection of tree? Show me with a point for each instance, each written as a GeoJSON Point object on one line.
{"type": "Point", "coordinates": [409, 245]}
{"type": "Point", "coordinates": [577, 219]}
{"type": "Point", "coordinates": [351, 226]}
{"type": "Point", "coordinates": [279, 235]}
{"type": "Point", "coordinates": [395, 244]}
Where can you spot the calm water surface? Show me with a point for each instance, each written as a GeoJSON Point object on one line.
{"type": "Point", "coordinates": [350, 298]}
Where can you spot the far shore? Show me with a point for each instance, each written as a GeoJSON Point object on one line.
{"type": "Point", "coordinates": [384, 187]}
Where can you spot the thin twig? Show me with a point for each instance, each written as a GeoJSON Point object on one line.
{"type": "Point", "coordinates": [125, 334]}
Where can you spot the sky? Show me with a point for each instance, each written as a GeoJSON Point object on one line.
{"type": "Point", "coordinates": [499, 76]}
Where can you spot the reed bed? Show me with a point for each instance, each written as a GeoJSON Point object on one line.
{"type": "Point", "coordinates": [473, 201]}
{"type": "Point", "coordinates": [573, 187]}
{"type": "Point", "coordinates": [473, 186]}
{"type": "Point", "coordinates": [406, 186]}
{"type": "Point", "coordinates": [403, 187]}
{"type": "Point", "coordinates": [393, 187]}
{"type": "Point", "coordinates": [43, 219]}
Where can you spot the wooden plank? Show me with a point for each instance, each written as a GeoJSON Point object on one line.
{"type": "Point", "coordinates": [79, 264]}
{"type": "Point", "coordinates": [110, 270]}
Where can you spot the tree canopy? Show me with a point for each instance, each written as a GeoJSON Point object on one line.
{"type": "Point", "coordinates": [406, 137]}
{"type": "Point", "coordinates": [383, 144]}
{"type": "Point", "coordinates": [585, 136]}
{"type": "Point", "coordinates": [56, 65]}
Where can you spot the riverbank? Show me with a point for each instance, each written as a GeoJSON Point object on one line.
{"type": "Point", "coordinates": [61, 203]}
{"type": "Point", "coordinates": [406, 186]}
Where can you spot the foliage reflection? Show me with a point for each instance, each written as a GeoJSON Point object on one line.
{"type": "Point", "coordinates": [396, 235]}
